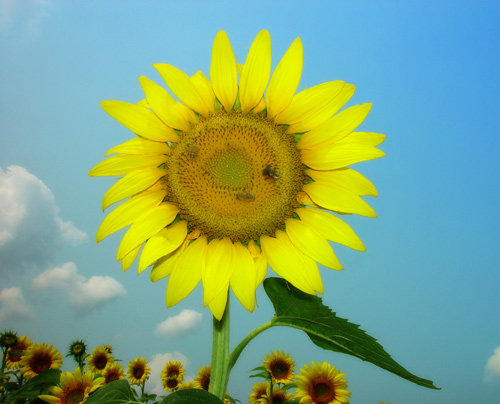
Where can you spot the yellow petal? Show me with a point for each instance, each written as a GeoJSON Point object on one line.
{"type": "Point", "coordinates": [204, 87]}
{"type": "Point", "coordinates": [129, 211]}
{"type": "Point", "coordinates": [218, 268]}
{"type": "Point", "coordinates": [311, 243]}
{"type": "Point", "coordinates": [256, 71]}
{"type": "Point", "coordinates": [182, 86]}
{"type": "Point", "coordinates": [140, 146]}
{"type": "Point", "coordinates": [335, 128]}
{"type": "Point", "coordinates": [289, 263]}
{"type": "Point", "coordinates": [338, 199]}
{"type": "Point", "coordinates": [171, 112]}
{"type": "Point", "coordinates": [309, 102]}
{"type": "Point", "coordinates": [165, 265]}
{"type": "Point", "coordinates": [365, 138]}
{"type": "Point", "coordinates": [285, 80]}
{"type": "Point", "coordinates": [331, 227]}
{"type": "Point", "coordinates": [146, 226]}
{"type": "Point", "coordinates": [338, 155]}
{"type": "Point", "coordinates": [166, 241]}
{"type": "Point", "coordinates": [345, 178]}
{"type": "Point", "coordinates": [218, 304]}
{"type": "Point", "coordinates": [223, 72]}
{"type": "Point", "coordinates": [130, 258]}
{"type": "Point", "coordinates": [139, 120]}
{"type": "Point", "coordinates": [259, 262]}
{"type": "Point", "coordinates": [187, 271]}
{"type": "Point", "coordinates": [243, 280]}
{"type": "Point", "coordinates": [132, 183]}
{"type": "Point", "coordinates": [122, 164]}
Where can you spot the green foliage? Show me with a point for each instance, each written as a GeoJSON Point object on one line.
{"type": "Point", "coordinates": [297, 309]}
{"type": "Point", "coordinates": [191, 396]}
{"type": "Point", "coordinates": [117, 392]}
{"type": "Point", "coordinates": [34, 387]}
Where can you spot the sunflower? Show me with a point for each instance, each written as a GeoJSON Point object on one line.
{"type": "Point", "coordinates": [114, 371]}
{"type": "Point", "coordinates": [75, 388]}
{"type": "Point", "coordinates": [237, 175]}
{"type": "Point", "coordinates": [279, 395]}
{"type": "Point", "coordinates": [8, 339]}
{"type": "Point", "coordinates": [99, 359]}
{"type": "Point", "coordinates": [14, 354]}
{"type": "Point", "coordinates": [39, 357]}
{"type": "Point", "coordinates": [280, 366]}
{"type": "Point", "coordinates": [258, 391]}
{"type": "Point", "coordinates": [202, 379]}
{"type": "Point", "coordinates": [172, 375]}
{"type": "Point", "coordinates": [138, 371]}
{"type": "Point", "coordinates": [77, 350]}
{"type": "Point", "coordinates": [186, 386]}
{"type": "Point", "coordinates": [321, 384]}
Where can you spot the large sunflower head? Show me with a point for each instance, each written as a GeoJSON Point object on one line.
{"type": "Point", "coordinates": [138, 371]}
{"type": "Point", "coordinates": [39, 357]}
{"type": "Point", "coordinates": [280, 366]}
{"type": "Point", "coordinates": [237, 174]}
{"type": "Point", "coordinates": [172, 375]}
{"type": "Point", "coordinates": [322, 384]}
{"type": "Point", "coordinates": [15, 353]}
{"type": "Point", "coordinates": [75, 388]}
{"type": "Point", "coordinates": [99, 359]}
{"type": "Point", "coordinates": [202, 379]}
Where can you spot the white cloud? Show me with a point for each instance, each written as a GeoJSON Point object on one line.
{"type": "Point", "coordinates": [492, 372]}
{"type": "Point", "coordinates": [84, 294]}
{"type": "Point", "coordinates": [12, 305]}
{"type": "Point", "coordinates": [31, 230]}
{"type": "Point", "coordinates": [157, 364]}
{"type": "Point", "coordinates": [184, 322]}
{"type": "Point", "coordinates": [27, 15]}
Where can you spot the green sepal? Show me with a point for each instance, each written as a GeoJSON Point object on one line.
{"type": "Point", "coordinates": [297, 309]}
{"type": "Point", "coordinates": [191, 396]}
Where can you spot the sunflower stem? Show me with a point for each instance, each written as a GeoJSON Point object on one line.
{"type": "Point", "coordinates": [219, 375]}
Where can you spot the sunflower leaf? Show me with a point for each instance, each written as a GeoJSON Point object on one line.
{"type": "Point", "coordinates": [36, 386]}
{"type": "Point", "coordinates": [191, 396]}
{"type": "Point", "coordinates": [117, 392]}
{"type": "Point", "coordinates": [297, 309]}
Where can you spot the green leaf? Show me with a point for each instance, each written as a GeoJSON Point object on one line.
{"type": "Point", "coordinates": [191, 396]}
{"type": "Point", "coordinates": [297, 309]}
{"type": "Point", "coordinates": [36, 386]}
{"type": "Point", "coordinates": [117, 392]}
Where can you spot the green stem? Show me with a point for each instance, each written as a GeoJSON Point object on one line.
{"type": "Point", "coordinates": [219, 375]}
{"type": "Point", "coordinates": [244, 342]}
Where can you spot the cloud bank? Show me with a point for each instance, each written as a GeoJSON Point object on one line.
{"type": "Point", "coordinates": [186, 321]}
{"type": "Point", "coordinates": [84, 294]}
{"type": "Point", "coordinates": [492, 371]}
{"type": "Point", "coordinates": [31, 230]}
{"type": "Point", "coordinates": [13, 305]}
{"type": "Point", "coordinates": [26, 15]}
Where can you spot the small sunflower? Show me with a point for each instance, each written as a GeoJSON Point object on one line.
{"type": "Point", "coordinates": [77, 350]}
{"type": "Point", "coordinates": [322, 384]}
{"type": "Point", "coordinates": [14, 354]}
{"type": "Point", "coordinates": [8, 339]}
{"type": "Point", "coordinates": [202, 379]}
{"type": "Point", "coordinates": [186, 386]}
{"type": "Point", "coordinates": [279, 395]}
{"type": "Point", "coordinates": [75, 388]}
{"type": "Point", "coordinates": [258, 391]}
{"type": "Point", "coordinates": [280, 366]}
{"type": "Point", "coordinates": [172, 375]}
{"type": "Point", "coordinates": [99, 359]}
{"type": "Point", "coordinates": [138, 371]}
{"type": "Point", "coordinates": [237, 175]}
{"type": "Point", "coordinates": [112, 372]}
{"type": "Point", "coordinates": [39, 357]}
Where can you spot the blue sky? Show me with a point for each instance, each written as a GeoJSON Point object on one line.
{"type": "Point", "coordinates": [428, 285]}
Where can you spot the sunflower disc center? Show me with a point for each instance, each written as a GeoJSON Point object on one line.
{"type": "Point", "coordinates": [235, 176]}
